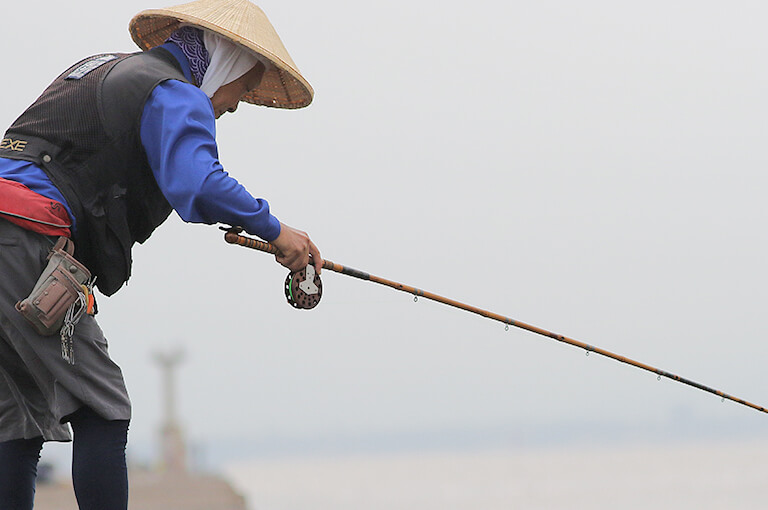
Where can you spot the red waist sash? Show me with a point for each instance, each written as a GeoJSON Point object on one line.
{"type": "Point", "coordinates": [32, 211]}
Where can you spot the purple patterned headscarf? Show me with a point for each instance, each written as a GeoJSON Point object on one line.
{"type": "Point", "coordinates": [190, 40]}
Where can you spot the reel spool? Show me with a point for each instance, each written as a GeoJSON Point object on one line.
{"type": "Point", "coordinates": [304, 289]}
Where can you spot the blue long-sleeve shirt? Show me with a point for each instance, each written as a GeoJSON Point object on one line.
{"type": "Point", "coordinates": [178, 132]}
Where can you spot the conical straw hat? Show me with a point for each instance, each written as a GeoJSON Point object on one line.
{"type": "Point", "coordinates": [244, 24]}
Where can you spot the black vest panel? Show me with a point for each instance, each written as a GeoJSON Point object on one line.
{"type": "Point", "coordinates": [84, 132]}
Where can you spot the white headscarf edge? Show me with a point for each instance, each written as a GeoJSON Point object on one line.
{"type": "Point", "coordinates": [228, 62]}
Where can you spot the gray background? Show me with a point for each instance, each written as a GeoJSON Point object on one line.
{"type": "Point", "coordinates": [593, 168]}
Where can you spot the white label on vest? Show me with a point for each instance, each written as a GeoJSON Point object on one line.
{"type": "Point", "coordinates": [89, 66]}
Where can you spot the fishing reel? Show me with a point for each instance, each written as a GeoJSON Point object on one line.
{"type": "Point", "coordinates": [303, 289]}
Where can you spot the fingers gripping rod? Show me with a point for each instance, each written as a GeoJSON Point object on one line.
{"type": "Point", "coordinates": [233, 237]}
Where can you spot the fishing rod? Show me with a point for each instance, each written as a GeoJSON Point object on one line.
{"type": "Point", "coordinates": [303, 290]}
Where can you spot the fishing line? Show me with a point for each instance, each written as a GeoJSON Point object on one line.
{"type": "Point", "coordinates": [303, 290]}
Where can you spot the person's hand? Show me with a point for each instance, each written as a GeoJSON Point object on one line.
{"type": "Point", "coordinates": [296, 250]}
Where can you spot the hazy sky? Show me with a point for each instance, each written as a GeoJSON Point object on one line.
{"type": "Point", "coordinates": [593, 168]}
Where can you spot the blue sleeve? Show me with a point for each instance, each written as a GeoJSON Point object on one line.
{"type": "Point", "coordinates": [178, 131]}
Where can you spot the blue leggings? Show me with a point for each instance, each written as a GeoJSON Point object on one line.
{"type": "Point", "coordinates": [99, 471]}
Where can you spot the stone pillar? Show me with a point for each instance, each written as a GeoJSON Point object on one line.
{"type": "Point", "coordinates": [174, 452]}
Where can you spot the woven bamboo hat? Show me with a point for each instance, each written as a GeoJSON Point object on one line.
{"type": "Point", "coordinates": [245, 24]}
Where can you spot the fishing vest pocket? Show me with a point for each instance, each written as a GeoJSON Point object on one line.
{"type": "Point", "coordinates": [111, 238]}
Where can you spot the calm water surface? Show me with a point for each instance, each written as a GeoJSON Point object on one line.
{"type": "Point", "coordinates": [690, 476]}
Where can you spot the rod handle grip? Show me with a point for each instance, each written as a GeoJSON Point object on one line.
{"type": "Point", "coordinates": [255, 244]}
{"type": "Point", "coordinates": [232, 237]}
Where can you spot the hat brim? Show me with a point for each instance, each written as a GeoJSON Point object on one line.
{"type": "Point", "coordinates": [282, 86]}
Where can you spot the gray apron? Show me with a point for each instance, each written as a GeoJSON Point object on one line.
{"type": "Point", "coordinates": [39, 389]}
